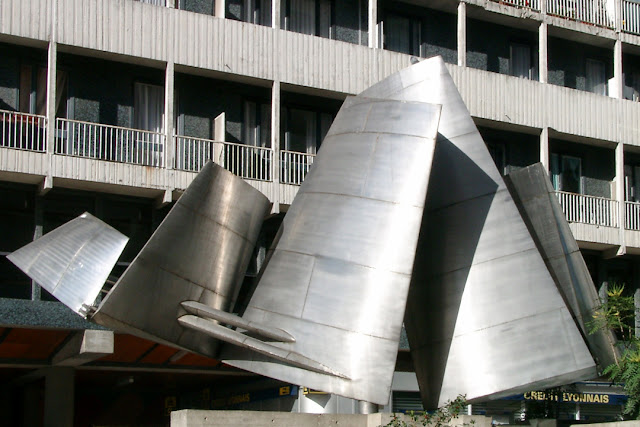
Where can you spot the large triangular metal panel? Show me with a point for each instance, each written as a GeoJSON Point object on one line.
{"type": "Point", "coordinates": [339, 275]}
{"type": "Point", "coordinates": [538, 203]}
{"type": "Point", "coordinates": [73, 261]}
{"type": "Point", "coordinates": [199, 253]}
{"type": "Point", "coordinates": [484, 317]}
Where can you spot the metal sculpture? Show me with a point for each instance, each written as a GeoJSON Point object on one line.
{"type": "Point", "coordinates": [402, 208]}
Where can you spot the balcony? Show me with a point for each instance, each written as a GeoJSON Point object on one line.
{"type": "Point", "coordinates": [23, 131]}
{"type": "Point", "coordinates": [589, 209]}
{"type": "Point", "coordinates": [294, 166]}
{"type": "Point", "coordinates": [528, 4]}
{"type": "Point", "coordinates": [631, 17]}
{"type": "Point", "coordinates": [245, 161]}
{"type": "Point", "coordinates": [111, 143]}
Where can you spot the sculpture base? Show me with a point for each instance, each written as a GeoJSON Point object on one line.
{"type": "Point", "coordinates": [200, 418]}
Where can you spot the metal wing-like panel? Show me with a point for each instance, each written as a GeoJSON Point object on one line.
{"type": "Point", "coordinates": [199, 253]}
{"type": "Point", "coordinates": [339, 274]}
{"type": "Point", "coordinates": [534, 194]}
{"type": "Point", "coordinates": [73, 261]}
{"type": "Point", "coordinates": [493, 326]}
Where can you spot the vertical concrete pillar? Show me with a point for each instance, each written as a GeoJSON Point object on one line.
{"type": "Point", "coordinates": [275, 145]}
{"type": "Point", "coordinates": [169, 100]}
{"type": "Point", "coordinates": [618, 77]}
{"type": "Point", "coordinates": [462, 34]}
{"type": "Point", "coordinates": [59, 397]}
{"type": "Point", "coordinates": [373, 24]}
{"type": "Point", "coordinates": [619, 196]}
{"type": "Point", "coordinates": [36, 291]}
{"type": "Point", "coordinates": [276, 11]}
{"type": "Point", "coordinates": [220, 8]}
{"type": "Point", "coordinates": [636, 303]}
{"type": "Point", "coordinates": [543, 67]}
{"type": "Point", "coordinates": [367, 407]}
{"type": "Point", "coordinates": [544, 148]}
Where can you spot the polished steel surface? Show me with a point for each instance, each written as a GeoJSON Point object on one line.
{"type": "Point", "coordinates": [536, 198]}
{"type": "Point", "coordinates": [202, 310]}
{"type": "Point", "coordinates": [484, 317]}
{"type": "Point", "coordinates": [73, 261]}
{"type": "Point", "coordinates": [338, 277]}
{"type": "Point", "coordinates": [255, 345]}
{"type": "Point", "coordinates": [200, 253]}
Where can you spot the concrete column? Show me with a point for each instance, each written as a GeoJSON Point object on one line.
{"type": "Point", "coordinates": [36, 291]}
{"type": "Point", "coordinates": [169, 100]}
{"type": "Point", "coordinates": [275, 144]}
{"type": "Point", "coordinates": [220, 9]}
{"type": "Point", "coordinates": [543, 67]}
{"type": "Point", "coordinates": [462, 34]}
{"type": "Point", "coordinates": [636, 303]}
{"type": "Point", "coordinates": [59, 397]}
{"type": "Point", "coordinates": [373, 24]}
{"type": "Point", "coordinates": [31, 400]}
{"type": "Point", "coordinates": [367, 407]}
{"type": "Point", "coordinates": [619, 196]}
{"type": "Point", "coordinates": [276, 11]}
{"type": "Point", "coordinates": [618, 77]}
{"type": "Point", "coordinates": [544, 149]}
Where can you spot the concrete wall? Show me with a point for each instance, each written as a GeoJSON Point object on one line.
{"type": "Point", "coordinates": [197, 418]}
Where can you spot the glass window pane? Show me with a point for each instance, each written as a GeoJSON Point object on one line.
{"type": "Point", "coordinates": [397, 34]}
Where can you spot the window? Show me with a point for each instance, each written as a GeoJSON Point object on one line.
{"type": "Point", "coordinates": [632, 183]}
{"type": "Point", "coordinates": [566, 173]}
{"type": "Point", "coordinates": [256, 127]}
{"type": "Point", "coordinates": [304, 130]}
{"type": "Point", "coordinates": [155, 2]}
{"type": "Point", "coordinates": [257, 12]}
{"type": "Point", "coordinates": [402, 34]}
{"type": "Point", "coordinates": [149, 107]}
{"type": "Point", "coordinates": [497, 152]}
{"type": "Point", "coordinates": [520, 61]}
{"type": "Point", "coordinates": [596, 78]}
{"type": "Point", "coordinates": [314, 17]}
{"type": "Point", "coordinates": [33, 91]}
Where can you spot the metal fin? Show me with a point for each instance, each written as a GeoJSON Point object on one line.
{"type": "Point", "coordinates": [202, 310]}
{"type": "Point", "coordinates": [73, 261]}
{"type": "Point", "coordinates": [236, 338]}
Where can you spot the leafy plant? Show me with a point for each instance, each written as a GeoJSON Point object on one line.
{"type": "Point", "coordinates": [441, 417]}
{"type": "Point", "coordinates": [618, 314]}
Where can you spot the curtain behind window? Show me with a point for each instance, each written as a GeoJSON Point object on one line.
{"type": "Point", "coordinates": [596, 77]}
{"type": "Point", "coordinates": [520, 60]}
{"type": "Point", "coordinates": [149, 107]}
{"type": "Point", "coordinates": [302, 16]}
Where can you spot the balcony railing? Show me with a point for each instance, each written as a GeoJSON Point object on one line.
{"type": "Point", "coordinates": [529, 4]}
{"type": "Point", "coordinates": [193, 153]}
{"type": "Point", "coordinates": [632, 215]}
{"type": "Point", "coordinates": [247, 161]}
{"type": "Point", "coordinates": [111, 143]}
{"type": "Point", "coordinates": [593, 12]}
{"type": "Point", "coordinates": [630, 17]}
{"type": "Point", "coordinates": [589, 209]}
{"type": "Point", "coordinates": [294, 166]}
{"type": "Point", "coordinates": [23, 131]}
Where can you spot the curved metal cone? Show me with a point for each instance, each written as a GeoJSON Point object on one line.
{"type": "Point", "coordinates": [338, 277]}
{"type": "Point", "coordinates": [73, 261]}
{"type": "Point", "coordinates": [534, 195]}
{"type": "Point", "coordinates": [484, 316]}
{"type": "Point", "coordinates": [200, 253]}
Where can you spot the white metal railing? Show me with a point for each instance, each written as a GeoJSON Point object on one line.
{"type": "Point", "coordinates": [247, 161]}
{"type": "Point", "coordinates": [596, 12]}
{"type": "Point", "coordinates": [193, 153]}
{"type": "Point", "coordinates": [23, 131]}
{"type": "Point", "coordinates": [632, 215]}
{"type": "Point", "coordinates": [630, 17]}
{"type": "Point", "coordinates": [112, 143]}
{"type": "Point", "coordinates": [589, 209]}
{"type": "Point", "coordinates": [294, 166]}
{"type": "Point", "coordinates": [155, 2]}
{"type": "Point", "coordinates": [529, 4]}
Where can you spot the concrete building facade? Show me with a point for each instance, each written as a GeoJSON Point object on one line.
{"type": "Point", "coordinates": [112, 106]}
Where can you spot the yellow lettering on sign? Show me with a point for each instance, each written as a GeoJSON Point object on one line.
{"type": "Point", "coordinates": [285, 391]}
